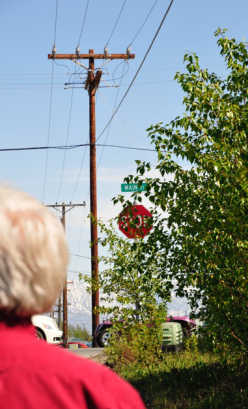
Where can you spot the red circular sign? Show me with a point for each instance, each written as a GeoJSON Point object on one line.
{"type": "Point", "coordinates": [133, 221]}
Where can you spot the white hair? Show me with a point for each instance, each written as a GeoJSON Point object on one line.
{"type": "Point", "coordinates": [33, 254]}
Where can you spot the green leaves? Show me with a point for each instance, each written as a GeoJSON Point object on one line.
{"type": "Point", "coordinates": [202, 238]}
{"type": "Point", "coordinates": [129, 279]}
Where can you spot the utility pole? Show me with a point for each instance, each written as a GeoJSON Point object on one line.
{"type": "Point", "coordinates": [91, 84]}
{"type": "Point", "coordinates": [65, 306]}
{"type": "Point", "coordinates": [64, 291]}
{"type": "Point", "coordinates": [59, 311]}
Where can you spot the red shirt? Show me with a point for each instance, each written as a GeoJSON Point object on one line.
{"type": "Point", "coordinates": [35, 375]}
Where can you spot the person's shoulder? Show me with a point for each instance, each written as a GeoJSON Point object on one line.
{"type": "Point", "coordinates": [97, 381]}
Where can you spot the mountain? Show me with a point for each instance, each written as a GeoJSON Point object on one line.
{"type": "Point", "coordinates": [79, 305]}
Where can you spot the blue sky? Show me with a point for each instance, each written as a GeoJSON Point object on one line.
{"type": "Point", "coordinates": [27, 33]}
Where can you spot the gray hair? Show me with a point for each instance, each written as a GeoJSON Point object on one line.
{"type": "Point", "coordinates": [33, 254]}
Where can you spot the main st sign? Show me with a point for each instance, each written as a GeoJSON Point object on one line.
{"type": "Point", "coordinates": [133, 221]}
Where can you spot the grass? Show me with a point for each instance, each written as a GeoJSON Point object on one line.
{"type": "Point", "coordinates": [194, 378]}
{"type": "Point", "coordinates": [189, 380]}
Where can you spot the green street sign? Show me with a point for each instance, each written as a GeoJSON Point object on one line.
{"type": "Point", "coordinates": [133, 187]}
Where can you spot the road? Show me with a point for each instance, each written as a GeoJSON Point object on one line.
{"type": "Point", "coordinates": [96, 354]}
{"type": "Point", "coordinates": [87, 352]}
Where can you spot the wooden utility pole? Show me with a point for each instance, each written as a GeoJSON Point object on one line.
{"type": "Point", "coordinates": [59, 312]}
{"type": "Point", "coordinates": [91, 84]}
{"type": "Point", "coordinates": [65, 306]}
{"type": "Point", "coordinates": [64, 291]}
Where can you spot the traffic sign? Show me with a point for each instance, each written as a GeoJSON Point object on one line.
{"type": "Point", "coordinates": [133, 221]}
{"type": "Point", "coordinates": [133, 187]}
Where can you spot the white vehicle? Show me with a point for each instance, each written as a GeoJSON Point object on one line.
{"type": "Point", "coordinates": [47, 329]}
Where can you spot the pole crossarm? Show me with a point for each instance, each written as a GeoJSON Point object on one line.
{"type": "Point", "coordinates": [88, 56]}
{"type": "Point", "coordinates": [71, 205]}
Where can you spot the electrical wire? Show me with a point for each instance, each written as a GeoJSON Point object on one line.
{"type": "Point", "coordinates": [77, 255]}
{"type": "Point", "coordinates": [68, 131]}
{"type": "Point", "coordinates": [57, 87]}
{"type": "Point", "coordinates": [79, 174]}
{"type": "Point", "coordinates": [67, 136]}
{"type": "Point", "coordinates": [137, 72]}
{"type": "Point", "coordinates": [62, 65]}
{"type": "Point", "coordinates": [80, 235]}
{"type": "Point", "coordinates": [50, 107]}
{"type": "Point", "coordinates": [152, 69]}
{"type": "Point", "coordinates": [116, 22]}
{"type": "Point", "coordinates": [119, 122]}
{"type": "Point", "coordinates": [56, 18]}
{"type": "Point", "coordinates": [136, 35]}
{"type": "Point", "coordinates": [117, 94]}
{"type": "Point", "coordinates": [122, 85]}
{"type": "Point", "coordinates": [122, 74]}
{"type": "Point", "coordinates": [73, 147]}
{"type": "Point", "coordinates": [79, 271]}
{"type": "Point", "coordinates": [83, 22]}
{"type": "Point", "coordinates": [48, 136]}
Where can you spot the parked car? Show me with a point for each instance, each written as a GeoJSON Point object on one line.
{"type": "Point", "coordinates": [88, 344]}
{"type": "Point", "coordinates": [46, 328]}
{"type": "Point", "coordinates": [102, 333]}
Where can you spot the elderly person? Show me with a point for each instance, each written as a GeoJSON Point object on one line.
{"type": "Point", "coordinates": [33, 263]}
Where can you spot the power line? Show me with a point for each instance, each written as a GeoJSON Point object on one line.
{"type": "Point", "coordinates": [48, 133]}
{"type": "Point", "coordinates": [135, 76]}
{"type": "Point", "coordinates": [74, 147]}
{"type": "Point", "coordinates": [80, 236]}
{"type": "Point", "coordinates": [119, 122]}
{"type": "Point", "coordinates": [116, 22]}
{"type": "Point", "coordinates": [67, 136]}
{"type": "Point", "coordinates": [79, 174]}
{"type": "Point", "coordinates": [79, 271]}
{"type": "Point", "coordinates": [56, 87]}
{"type": "Point", "coordinates": [136, 35]}
{"type": "Point", "coordinates": [117, 94]}
{"type": "Point", "coordinates": [56, 17]}
{"type": "Point", "coordinates": [50, 106]}
{"type": "Point", "coordinates": [77, 255]}
{"type": "Point", "coordinates": [152, 69]}
{"type": "Point", "coordinates": [83, 22]}
{"type": "Point", "coordinates": [62, 65]}
{"type": "Point", "coordinates": [122, 74]}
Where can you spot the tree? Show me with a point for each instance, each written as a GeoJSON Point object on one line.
{"type": "Point", "coordinates": [129, 285]}
{"type": "Point", "coordinates": [202, 236]}
{"type": "Point", "coordinates": [78, 332]}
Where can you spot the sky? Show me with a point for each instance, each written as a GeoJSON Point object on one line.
{"type": "Point", "coordinates": [37, 110]}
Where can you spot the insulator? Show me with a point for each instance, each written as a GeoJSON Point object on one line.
{"type": "Point", "coordinates": [128, 50]}
{"type": "Point", "coordinates": [78, 50]}
{"type": "Point", "coordinates": [106, 50]}
{"type": "Point", "coordinates": [54, 50]}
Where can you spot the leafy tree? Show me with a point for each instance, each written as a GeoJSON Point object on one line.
{"type": "Point", "coordinates": [78, 332]}
{"type": "Point", "coordinates": [130, 284]}
{"type": "Point", "coordinates": [201, 216]}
